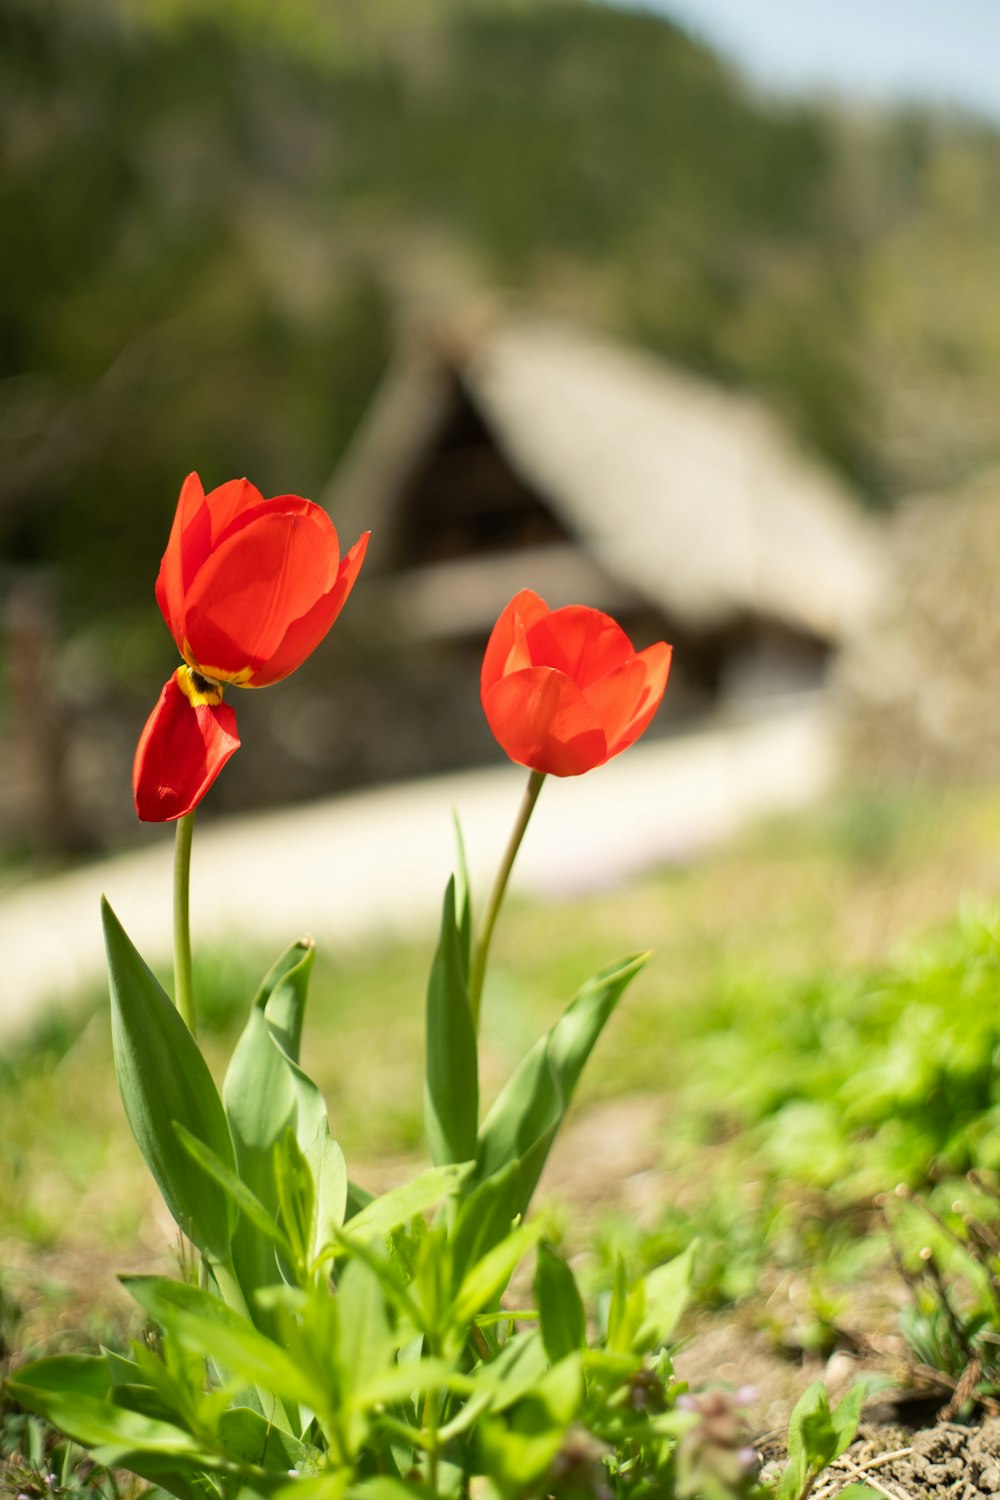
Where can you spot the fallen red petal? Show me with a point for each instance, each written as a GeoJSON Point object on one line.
{"type": "Point", "coordinates": [181, 751]}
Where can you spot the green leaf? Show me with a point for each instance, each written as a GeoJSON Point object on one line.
{"type": "Point", "coordinates": [242, 1197]}
{"type": "Point", "coordinates": [485, 1217]}
{"type": "Point", "coordinates": [205, 1325]}
{"type": "Point", "coordinates": [618, 1340]}
{"type": "Point", "coordinates": [489, 1276]}
{"type": "Point", "coordinates": [265, 1090]}
{"type": "Point", "coordinates": [328, 1486]}
{"type": "Point", "coordinates": [329, 1173]}
{"type": "Point", "coordinates": [357, 1199]}
{"type": "Point", "coordinates": [401, 1382]}
{"type": "Point", "coordinates": [247, 1437]}
{"type": "Point", "coordinates": [121, 1371]}
{"type": "Point", "coordinates": [163, 1078]}
{"type": "Point", "coordinates": [365, 1346]}
{"type": "Point", "coordinates": [564, 1322]}
{"type": "Point", "coordinates": [317, 1487]}
{"type": "Point", "coordinates": [463, 899]}
{"type": "Point", "coordinates": [267, 1093]}
{"type": "Point", "coordinates": [399, 1205]}
{"type": "Point", "coordinates": [283, 994]}
{"type": "Point", "coordinates": [523, 1121]}
{"type": "Point", "coordinates": [451, 1092]}
{"type": "Point", "coordinates": [812, 1442]}
{"type": "Point", "coordinates": [95, 1421]}
{"type": "Point", "coordinates": [846, 1415]}
{"type": "Point", "coordinates": [296, 1195]}
{"type": "Point", "coordinates": [520, 1450]}
{"type": "Point", "coordinates": [667, 1290]}
{"type": "Point", "coordinates": [384, 1487]}
{"type": "Point", "coordinates": [82, 1374]}
{"type": "Point", "coordinates": [515, 1371]}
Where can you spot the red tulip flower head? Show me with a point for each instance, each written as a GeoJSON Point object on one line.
{"type": "Point", "coordinates": [248, 588]}
{"type": "Point", "coordinates": [564, 690]}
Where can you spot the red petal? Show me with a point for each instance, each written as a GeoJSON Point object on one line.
{"type": "Point", "coordinates": [180, 752]}
{"type": "Point", "coordinates": [506, 649]}
{"type": "Point", "coordinates": [657, 659]}
{"type": "Point", "coordinates": [199, 522]}
{"type": "Point", "coordinates": [626, 699]}
{"type": "Point", "coordinates": [584, 643]}
{"type": "Point", "coordinates": [542, 720]}
{"type": "Point", "coordinates": [225, 505]}
{"type": "Point", "coordinates": [262, 578]}
{"type": "Point", "coordinates": [190, 529]}
{"type": "Point", "coordinates": [304, 635]}
{"type": "Point", "coordinates": [280, 505]}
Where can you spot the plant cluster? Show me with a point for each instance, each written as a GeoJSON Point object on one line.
{"type": "Point", "coordinates": [323, 1342]}
{"type": "Point", "coordinates": [886, 1076]}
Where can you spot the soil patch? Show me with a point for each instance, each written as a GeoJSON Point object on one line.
{"type": "Point", "coordinates": [943, 1462]}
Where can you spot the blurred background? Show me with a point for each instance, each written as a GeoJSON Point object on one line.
{"type": "Point", "coordinates": [690, 311]}
{"type": "Point", "coordinates": [650, 306]}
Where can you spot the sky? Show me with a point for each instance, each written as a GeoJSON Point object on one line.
{"type": "Point", "coordinates": [940, 51]}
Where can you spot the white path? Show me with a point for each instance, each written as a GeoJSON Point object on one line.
{"type": "Point", "coordinates": [378, 860]}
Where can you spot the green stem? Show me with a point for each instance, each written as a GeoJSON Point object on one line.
{"type": "Point", "coordinates": [430, 1425]}
{"type": "Point", "coordinates": [477, 971]}
{"type": "Point", "coordinates": [183, 982]}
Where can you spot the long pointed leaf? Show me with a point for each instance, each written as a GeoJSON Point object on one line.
{"type": "Point", "coordinates": [401, 1204]}
{"type": "Point", "coordinates": [451, 1093]}
{"type": "Point", "coordinates": [283, 994]}
{"type": "Point", "coordinates": [523, 1121]}
{"type": "Point", "coordinates": [163, 1078]}
{"type": "Point", "coordinates": [266, 1093]}
{"type": "Point", "coordinates": [463, 899]}
{"type": "Point", "coordinates": [94, 1420]}
{"type": "Point", "coordinates": [206, 1326]}
{"type": "Point", "coordinates": [246, 1202]}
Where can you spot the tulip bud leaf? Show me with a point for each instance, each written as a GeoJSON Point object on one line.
{"type": "Point", "coordinates": [451, 1094]}
{"type": "Point", "coordinates": [529, 1109]}
{"type": "Point", "coordinates": [265, 1094]}
{"type": "Point", "coordinates": [163, 1078]}
{"type": "Point", "coordinates": [463, 899]}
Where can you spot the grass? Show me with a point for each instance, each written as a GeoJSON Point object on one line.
{"type": "Point", "coordinates": [775, 1021]}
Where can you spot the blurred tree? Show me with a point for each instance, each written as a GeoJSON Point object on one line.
{"type": "Point", "coordinates": [203, 208]}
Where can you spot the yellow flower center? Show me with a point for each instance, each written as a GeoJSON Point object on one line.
{"type": "Point", "coordinates": [200, 691]}
{"type": "Point", "coordinates": [215, 676]}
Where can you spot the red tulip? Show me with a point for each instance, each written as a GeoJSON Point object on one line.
{"type": "Point", "coordinates": [248, 588]}
{"type": "Point", "coordinates": [564, 690]}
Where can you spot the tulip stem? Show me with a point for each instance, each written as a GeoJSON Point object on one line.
{"type": "Point", "coordinates": [183, 981]}
{"type": "Point", "coordinates": [477, 969]}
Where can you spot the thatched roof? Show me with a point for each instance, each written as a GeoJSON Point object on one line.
{"type": "Point", "coordinates": [693, 498]}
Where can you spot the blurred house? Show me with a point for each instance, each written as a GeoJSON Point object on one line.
{"type": "Point", "coordinates": [513, 453]}
{"type": "Point", "coordinates": [531, 454]}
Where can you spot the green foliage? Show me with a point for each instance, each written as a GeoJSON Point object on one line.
{"type": "Point", "coordinates": [333, 1350]}
{"type": "Point", "coordinates": [336, 1336]}
{"type": "Point", "coordinates": [885, 1077]}
{"type": "Point", "coordinates": [817, 1435]}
